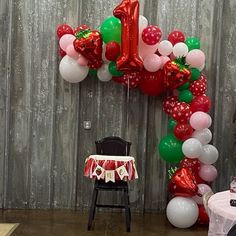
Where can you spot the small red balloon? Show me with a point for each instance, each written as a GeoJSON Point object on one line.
{"type": "Point", "coordinates": [151, 35]}
{"type": "Point", "coordinates": [169, 104]}
{"type": "Point", "coordinates": [203, 218]}
{"type": "Point", "coordinates": [79, 28]}
{"type": "Point", "coordinates": [112, 51]}
{"type": "Point", "coordinates": [201, 103]}
{"type": "Point", "coordinates": [61, 52]}
{"type": "Point", "coordinates": [64, 29]}
{"type": "Point", "coordinates": [181, 112]}
{"type": "Point", "coordinates": [176, 37]}
{"type": "Point", "coordinates": [132, 79]}
{"type": "Point", "coordinates": [183, 131]}
{"type": "Point", "coordinates": [192, 164]}
{"type": "Point", "coordinates": [152, 83]}
{"type": "Point", "coordinates": [199, 87]}
{"type": "Point", "coordinates": [183, 183]}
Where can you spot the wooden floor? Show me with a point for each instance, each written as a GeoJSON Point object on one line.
{"type": "Point", "coordinates": [71, 223]}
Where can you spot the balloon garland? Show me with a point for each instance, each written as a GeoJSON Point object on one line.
{"type": "Point", "coordinates": [129, 51]}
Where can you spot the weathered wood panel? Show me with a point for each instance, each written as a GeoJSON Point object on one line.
{"type": "Point", "coordinates": [43, 143]}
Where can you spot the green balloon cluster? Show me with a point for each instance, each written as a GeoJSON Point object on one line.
{"type": "Point", "coordinates": [113, 69]}
{"type": "Point", "coordinates": [192, 43]}
{"type": "Point", "coordinates": [170, 149]}
{"type": "Point", "coordinates": [195, 74]}
{"type": "Point", "coordinates": [171, 124]}
{"type": "Point", "coordinates": [111, 30]}
{"type": "Point", "coordinates": [185, 96]}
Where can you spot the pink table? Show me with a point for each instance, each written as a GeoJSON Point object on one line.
{"type": "Point", "coordinates": [222, 215]}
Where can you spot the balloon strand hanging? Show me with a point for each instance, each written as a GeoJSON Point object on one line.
{"type": "Point", "coordinates": [129, 51]}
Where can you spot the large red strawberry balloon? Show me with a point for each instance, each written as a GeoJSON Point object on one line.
{"type": "Point", "coordinates": [89, 44]}
{"type": "Point", "coordinates": [181, 112]}
{"type": "Point", "coordinates": [183, 183]}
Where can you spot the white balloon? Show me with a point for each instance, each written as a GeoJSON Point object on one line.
{"type": "Point", "coordinates": [192, 148]}
{"type": "Point", "coordinates": [71, 71]}
{"type": "Point", "coordinates": [209, 154]}
{"type": "Point", "coordinates": [180, 50]}
{"type": "Point", "coordinates": [103, 73]}
{"type": "Point", "coordinates": [204, 136]}
{"type": "Point", "coordinates": [165, 48]}
{"type": "Point", "coordinates": [182, 212]}
{"type": "Point", "coordinates": [143, 23]}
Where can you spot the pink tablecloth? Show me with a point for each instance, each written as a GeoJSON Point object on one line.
{"type": "Point", "coordinates": [222, 215]}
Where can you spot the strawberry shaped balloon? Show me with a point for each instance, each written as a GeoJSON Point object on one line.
{"type": "Point", "coordinates": [176, 74]}
{"type": "Point", "coordinates": [89, 44]}
{"type": "Point", "coordinates": [183, 183]}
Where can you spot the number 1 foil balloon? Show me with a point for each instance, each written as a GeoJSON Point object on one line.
{"type": "Point", "coordinates": [128, 12]}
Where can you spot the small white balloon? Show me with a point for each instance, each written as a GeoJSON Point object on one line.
{"type": "Point", "coordinates": [180, 50]}
{"type": "Point", "coordinates": [165, 48]}
{"type": "Point", "coordinates": [204, 136]}
{"type": "Point", "coordinates": [182, 212]}
{"type": "Point", "coordinates": [103, 73]}
{"type": "Point", "coordinates": [143, 23]}
{"type": "Point", "coordinates": [192, 148]}
{"type": "Point", "coordinates": [209, 154]}
{"type": "Point", "coordinates": [71, 71]}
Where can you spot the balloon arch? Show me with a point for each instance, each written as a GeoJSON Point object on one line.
{"type": "Point", "coordinates": [129, 51]}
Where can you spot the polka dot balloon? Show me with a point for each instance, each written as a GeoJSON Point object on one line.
{"type": "Point", "coordinates": [151, 35]}
{"type": "Point", "coordinates": [131, 79]}
{"type": "Point", "coordinates": [199, 87]}
{"type": "Point", "coordinates": [181, 112]}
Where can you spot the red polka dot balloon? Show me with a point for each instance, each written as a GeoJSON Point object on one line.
{"type": "Point", "coordinates": [169, 103]}
{"type": "Point", "coordinates": [181, 112]}
{"type": "Point", "coordinates": [199, 87]}
{"type": "Point", "coordinates": [131, 79]}
{"type": "Point", "coordinates": [176, 37]}
{"type": "Point", "coordinates": [151, 35]}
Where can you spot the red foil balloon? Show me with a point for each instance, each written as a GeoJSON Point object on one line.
{"type": "Point", "coordinates": [89, 44]}
{"type": "Point", "coordinates": [203, 218]}
{"type": "Point", "coordinates": [128, 12]}
{"type": "Point", "coordinates": [192, 164]}
{"type": "Point", "coordinates": [152, 83]}
{"type": "Point", "coordinates": [201, 103]}
{"type": "Point", "coordinates": [176, 37]}
{"type": "Point", "coordinates": [64, 29]}
{"type": "Point", "coordinates": [112, 51]}
{"type": "Point", "coordinates": [181, 112]}
{"type": "Point", "coordinates": [183, 183]}
{"type": "Point", "coordinates": [175, 75]}
{"type": "Point", "coordinates": [183, 131]}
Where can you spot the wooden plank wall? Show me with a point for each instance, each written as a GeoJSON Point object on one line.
{"type": "Point", "coordinates": [42, 140]}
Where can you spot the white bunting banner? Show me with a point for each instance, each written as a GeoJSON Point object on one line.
{"type": "Point", "coordinates": [110, 176]}
{"type": "Point", "coordinates": [122, 172]}
{"type": "Point", "coordinates": [99, 172]}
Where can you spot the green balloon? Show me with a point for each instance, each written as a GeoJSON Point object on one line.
{"type": "Point", "coordinates": [113, 69]}
{"type": "Point", "coordinates": [171, 124]}
{"type": "Point", "coordinates": [185, 96]}
{"type": "Point", "coordinates": [184, 86]}
{"type": "Point", "coordinates": [92, 72]}
{"type": "Point", "coordinates": [111, 30]}
{"type": "Point", "coordinates": [192, 43]}
{"type": "Point", "coordinates": [170, 149]}
{"type": "Point", "coordinates": [195, 74]}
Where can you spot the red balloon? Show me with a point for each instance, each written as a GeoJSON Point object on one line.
{"type": "Point", "coordinates": [201, 103]}
{"type": "Point", "coordinates": [183, 131]}
{"type": "Point", "coordinates": [176, 37]}
{"type": "Point", "coordinates": [169, 104]}
{"type": "Point", "coordinates": [64, 29]}
{"type": "Point", "coordinates": [61, 52]}
{"type": "Point", "coordinates": [112, 51]}
{"type": "Point", "coordinates": [183, 183]}
{"type": "Point", "coordinates": [181, 112]}
{"type": "Point", "coordinates": [192, 164]}
{"type": "Point", "coordinates": [203, 218]}
{"type": "Point", "coordinates": [152, 83]}
{"type": "Point", "coordinates": [79, 28]}
{"type": "Point", "coordinates": [175, 75]}
{"type": "Point", "coordinates": [199, 87]}
{"type": "Point", "coordinates": [89, 44]}
{"type": "Point", "coordinates": [128, 12]}
{"type": "Point", "coordinates": [199, 180]}
{"type": "Point", "coordinates": [132, 79]}
{"type": "Point", "coordinates": [151, 35]}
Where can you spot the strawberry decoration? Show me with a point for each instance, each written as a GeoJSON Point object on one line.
{"type": "Point", "coordinates": [169, 103]}
{"type": "Point", "coordinates": [199, 87]}
{"type": "Point", "coordinates": [89, 44]}
{"type": "Point", "coordinates": [181, 112]}
{"type": "Point", "coordinates": [176, 73]}
{"type": "Point", "coordinates": [183, 183]}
